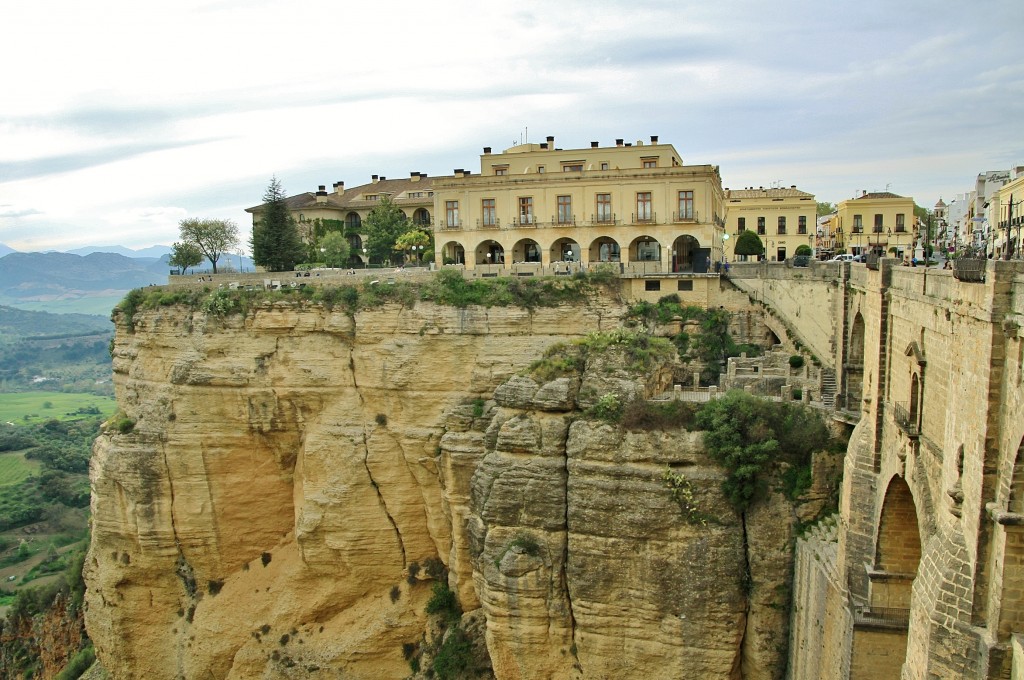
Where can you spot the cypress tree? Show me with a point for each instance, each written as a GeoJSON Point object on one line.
{"type": "Point", "coordinates": [275, 239]}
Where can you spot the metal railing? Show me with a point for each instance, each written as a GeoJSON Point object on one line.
{"type": "Point", "coordinates": [893, 616]}
{"type": "Point", "coordinates": [598, 220]}
{"type": "Point", "coordinates": [685, 216]}
{"type": "Point", "coordinates": [489, 224]}
{"type": "Point", "coordinates": [905, 419]}
{"type": "Point", "coordinates": [645, 219]}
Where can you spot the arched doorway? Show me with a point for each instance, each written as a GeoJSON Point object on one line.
{"type": "Point", "coordinates": [565, 250]}
{"type": "Point", "coordinates": [421, 217]}
{"type": "Point", "coordinates": [604, 249]}
{"type": "Point", "coordinates": [855, 365]}
{"type": "Point", "coordinates": [353, 221]}
{"type": "Point", "coordinates": [645, 249]}
{"type": "Point", "coordinates": [526, 250]}
{"type": "Point", "coordinates": [453, 253]}
{"type": "Point", "coordinates": [490, 252]}
{"type": "Point", "coordinates": [688, 256]}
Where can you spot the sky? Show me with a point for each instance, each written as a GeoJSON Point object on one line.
{"type": "Point", "coordinates": [119, 119]}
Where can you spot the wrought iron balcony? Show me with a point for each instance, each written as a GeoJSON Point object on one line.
{"type": "Point", "coordinates": [685, 216]}
{"type": "Point", "coordinates": [905, 418]}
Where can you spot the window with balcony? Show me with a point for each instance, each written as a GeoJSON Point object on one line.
{"type": "Point", "coordinates": [604, 208]}
{"type": "Point", "coordinates": [526, 210]}
{"type": "Point", "coordinates": [490, 217]}
{"type": "Point", "coordinates": [801, 226]}
{"type": "Point", "coordinates": [858, 223]}
{"type": "Point", "coordinates": [878, 224]}
{"type": "Point", "coordinates": [782, 224]}
{"type": "Point", "coordinates": [901, 224]}
{"type": "Point", "coordinates": [741, 224]}
{"type": "Point", "coordinates": [451, 213]}
{"type": "Point", "coordinates": [686, 205]}
{"type": "Point", "coordinates": [565, 209]}
{"type": "Point", "coordinates": [643, 206]}
{"type": "Point", "coordinates": [760, 226]}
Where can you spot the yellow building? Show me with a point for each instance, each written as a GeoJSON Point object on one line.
{"type": "Point", "coordinates": [1007, 209]}
{"type": "Point", "coordinates": [879, 222]}
{"type": "Point", "coordinates": [783, 218]}
{"type": "Point", "coordinates": [314, 211]}
{"type": "Point", "coordinates": [535, 204]}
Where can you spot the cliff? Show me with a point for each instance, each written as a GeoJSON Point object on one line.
{"type": "Point", "coordinates": [278, 476]}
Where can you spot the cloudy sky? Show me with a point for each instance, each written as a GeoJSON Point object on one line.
{"type": "Point", "coordinates": [119, 118]}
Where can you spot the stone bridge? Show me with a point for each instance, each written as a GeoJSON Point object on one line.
{"type": "Point", "coordinates": [925, 576]}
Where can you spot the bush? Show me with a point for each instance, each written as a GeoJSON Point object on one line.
{"type": "Point", "coordinates": [443, 601]}
{"type": "Point", "coordinates": [78, 664]}
{"type": "Point", "coordinates": [641, 414]}
{"type": "Point", "coordinates": [607, 408]}
{"type": "Point", "coordinates": [414, 570]}
{"type": "Point", "coordinates": [454, 657]}
{"type": "Point", "coordinates": [381, 419]}
{"type": "Point", "coordinates": [796, 361]}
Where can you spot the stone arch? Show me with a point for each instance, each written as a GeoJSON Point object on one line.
{"type": "Point", "coordinates": [489, 252]}
{"type": "Point", "coordinates": [645, 249]}
{"type": "Point", "coordinates": [688, 256]}
{"type": "Point", "coordinates": [855, 364]}
{"type": "Point", "coordinates": [898, 549]}
{"type": "Point", "coordinates": [604, 249]}
{"type": "Point", "coordinates": [353, 220]}
{"type": "Point", "coordinates": [1015, 501]}
{"type": "Point", "coordinates": [421, 217]}
{"type": "Point", "coordinates": [526, 250]}
{"type": "Point", "coordinates": [565, 250]}
{"type": "Point", "coordinates": [452, 252]}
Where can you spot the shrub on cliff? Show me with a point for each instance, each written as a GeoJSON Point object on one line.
{"type": "Point", "coordinates": [443, 601]}
{"type": "Point", "coordinates": [747, 435]}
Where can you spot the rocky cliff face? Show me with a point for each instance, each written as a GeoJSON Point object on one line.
{"type": "Point", "coordinates": [287, 468]}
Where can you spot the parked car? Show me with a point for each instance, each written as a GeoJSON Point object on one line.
{"type": "Point", "coordinates": [843, 257]}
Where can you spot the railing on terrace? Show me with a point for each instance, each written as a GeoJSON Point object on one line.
{"type": "Point", "coordinates": [566, 222]}
{"type": "Point", "coordinates": [896, 617]}
{"type": "Point", "coordinates": [600, 221]}
{"type": "Point", "coordinates": [905, 419]}
{"type": "Point", "coordinates": [687, 216]}
{"type": "Point", "coordinates": [455, 224]}
{"type": "Point", "coordinates": [488, 224]}
{"type": "Point", "coordinates": [644, 219]}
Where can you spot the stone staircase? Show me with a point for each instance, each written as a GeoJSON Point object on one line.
{"type": "Point", "coordinates": [828, 387]}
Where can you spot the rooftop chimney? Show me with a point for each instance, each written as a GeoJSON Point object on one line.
{"type": "Point", "coordinates": [339, 187]}
{"type": "Point", "coordinates": [374, 178]}
{"type": "Point", "coordinates": [654, 139]}
{"type": "Point", "coordinates": [487, 149]}
{"type": "Point", "coordinates": [382, 178]}
{"type": "Point", "coordinates": [415, 176]}
{"type": "Point", "coordinates": [322, 190]}
{"type": "Point", "coordinates": [594, 145]}
{"type": "Point", "coordinates": [618, 142]}
{"type": "Point", "coordinates": [551, 141]}
{"type": "Point", "coordinates": [543, 145]}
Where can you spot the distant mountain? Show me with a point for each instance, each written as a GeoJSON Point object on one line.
{"type": "Point", "coordinates": [152, 251]}
{"type": "Point", "coordinates": [61, 282]}
{"type": "Point", "coordinates": [6, 249]}
{"type": "Point", "coordinates": [21, 323]}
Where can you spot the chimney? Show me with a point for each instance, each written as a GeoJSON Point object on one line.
{"type": "Point", "coordinates": [639, 142]}
{"type": "Point", "coordinates": [459, 172]}
{"type": "Point", "coordinates": [594, 145]}
{"type": "Point", "coordinates": [322, 191]}
{"type": "Point", "coordinates": [487, 150]}
{"type": "Point", "coordinates": [339, 187]}
{"type": "Point", "coordinates": [543, 145]}
{"type": "Point", "coordinates": [792, 186]}
{"type": "Point", "coordinates": [618, 142]}
{"type": "Point", "coordinates": [654, 139]}
{"type": "Point", "coordinates": [551, 141]}
{"type": "Point", "coordinates": [414, 176]}
{"type": "Point", "coordinates": [382, 178]}
{"type": "Point", "coordinates": [374, 179]}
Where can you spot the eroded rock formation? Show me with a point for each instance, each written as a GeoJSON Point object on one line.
{"type": "Point", "coordinates": [287, 468]}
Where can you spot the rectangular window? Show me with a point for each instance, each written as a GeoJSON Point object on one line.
{"type": "Point", "coordinates": [451, 213]}
{"type": "Point", "coordinates": [782, 224]}
{"type": "Point", "coordinates": [858, 223]}
{"type": "Point", "coordinates": [652, 285]}
{"type": "Point", "coordinates": [901, 224]}
{"type": "Point", "coordinates": [801, 226]}
{"type": "Point", "coordinates": [604, 207]}
{"type": "Point", "coordinates": [526, 210]}
{"type": "Point", "coordinates": [760, 225]}
{"type": "Point", "coordinates": [540, 169]}
{"type": "Point", "coordinates": [604, 165]}
{"type": "Point", "coordinates": [643, 206]}
{"type": "Point", "coordinates": [878, 224]}
{"type": "Point", "coordinates": [686, 205]}
{"type": "Point", "coordinates": [684, 284]}
{"type": "Point", "coordinates": [650, 162]}
{"type": "Point", "coordinates": [502, 170]}
{"type": "Point", "coordinates": [742, 224]}
{"type": "Point", "coordinates": [572, 167]}
{"type": "Point", "coordinates": [565, 209]}
{"type": "Point", "coordinates": [490, 218]}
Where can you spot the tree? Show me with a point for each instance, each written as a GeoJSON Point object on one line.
{"type": "Point", "coordinates": [211, 237]}
{"type": "Point", "coordinates": [185, 255]}
{"type": "Point", "coordinates": [803, 249]}
{"type": "Point", "coordinates": [385, 223]}
{"type": "Point", "coordinates": [825, 208]}
{"type": "Point", "coordinates": [415, 241]}
{"type": "Point", "coordinates": [749, 243]}
{"type": "Point", "coordinates": [275, 239]}
{"type": "Point", "coordinates": [335, 249]}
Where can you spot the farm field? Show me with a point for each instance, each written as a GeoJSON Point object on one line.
{"type": "Point", "coordinates": [31, 407]}
{"type": "Point", "coordinates": [15, 468]}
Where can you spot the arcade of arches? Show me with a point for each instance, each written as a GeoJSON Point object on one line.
{"type": "Point", "coordinates": [686, 253]}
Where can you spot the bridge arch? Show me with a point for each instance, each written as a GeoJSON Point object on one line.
{"type": "Point", "coordinates": [855, 364]}
{"type": "Point", "coordinates": [897, 549]}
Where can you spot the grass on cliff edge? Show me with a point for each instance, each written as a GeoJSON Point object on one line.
{"type": "Point", "coordinates": [448, 287]}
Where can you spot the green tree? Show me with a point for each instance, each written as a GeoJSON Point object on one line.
{"type": "Point", "coordinates": [415, 242]}
{"type": "Point", "coordinates": [334, 248]}
{"type": "Point", "coordinates": [803, 249]}
{"type": "Point", "coordinates": [825, 208]}
{"type": "Point", "coordinates": [749, 243]}
{"type": "Point", "coordinates": [275, 239]}
{"type": "Point", "coordinates": [383, 226]}
{"type": "Point", "coordinates": [211, 237]}
{"type": "Point", "coordinates": [185, 255]}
